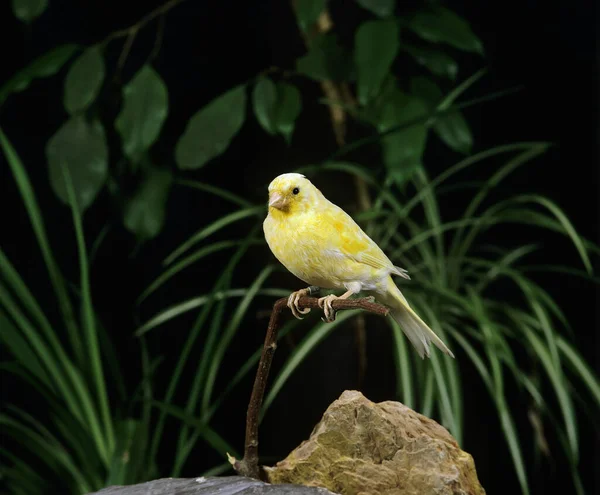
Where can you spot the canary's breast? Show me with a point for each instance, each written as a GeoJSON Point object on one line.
{"type": "Point", "coordinates": [308, 246]}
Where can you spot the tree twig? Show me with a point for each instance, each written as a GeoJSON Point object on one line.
{"type": "Point", "coordinates": [248, 466]}
{"type": "Point", "coordinates": [163, 9]}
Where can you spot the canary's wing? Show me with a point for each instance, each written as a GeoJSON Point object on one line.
{"type": "Point", "coordinates": [352, 242]}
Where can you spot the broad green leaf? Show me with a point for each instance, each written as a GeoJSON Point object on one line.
{"type": "Point", "coordinates": [45, 66]}
{"type": "Point", "coordinates": [440, 25]}
{"type": "Point", "coordinates": [145, 211]}
{"type": "Point", "coordinates": [375, 47]}
{"type": "Point", "coordinates": [84, 80]}
{"type": "Point", "coordinates": [29, 10]}
{"type": "Point", "coordinates": [381, 8]}
{"type": "Point", "coordinates": [145, 108]}
{"type": "Point", "coordinates": [402, 149]}
{"type": "Point", "coordinates": [289, 105]}
{"type": "Point", "coordinates": [439, 63]}
{"type": "Point", "coordinates": [427, 90]}
{"type": "Point", "coordinates": [326, 60]}
{"type": "Point", "coordinates": [211, 129]}
{"type": "Point", "coordinates": [81, 146]}
{"type": "Point", "coordinates": [276, 106]}
{"type": "Point", "coordinates": [452, 128]}
{"type": "Point", "coordinates": [264, 99]}
{"type": "Point", "coordinates": [308, 11]}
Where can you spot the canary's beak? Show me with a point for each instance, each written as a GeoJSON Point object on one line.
{"type": "Point", "coordinates": [276, 200]}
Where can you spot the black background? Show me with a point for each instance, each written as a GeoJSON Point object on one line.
{"type": "Point", "coordinates": [549, 49]}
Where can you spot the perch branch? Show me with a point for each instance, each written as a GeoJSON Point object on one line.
{"type": "Point", "coordinates": [248, 466]}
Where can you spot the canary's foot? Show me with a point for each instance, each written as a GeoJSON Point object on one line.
{"type": "Point", "coordinates": [326, 302]}
{"type": "Point", "coordinates": [325, 305]}
{"type": "Point", "coordinates": [295, 298]}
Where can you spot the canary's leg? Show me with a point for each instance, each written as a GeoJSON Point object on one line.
{"type": "Point", "coordinates": [295, 297]}
{"type": "Point", "coordinates": [325, 303]}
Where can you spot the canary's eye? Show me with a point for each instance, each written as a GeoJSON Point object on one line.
{"type": "Point", "coordinates": [296, 190]}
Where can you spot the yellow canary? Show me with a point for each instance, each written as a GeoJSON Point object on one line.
{"type": "Point", "coordinates": [321, 244]}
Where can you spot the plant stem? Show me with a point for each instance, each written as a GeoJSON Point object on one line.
{"type": "Point", "coordinates": [248, 466]}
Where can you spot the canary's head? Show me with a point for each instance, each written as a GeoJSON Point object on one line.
{"type": "Point", "coordinates": [292, 193]}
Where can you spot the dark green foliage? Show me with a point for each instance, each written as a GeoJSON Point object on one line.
{"type": "Point", "coordinates": [29, 10]}
{"type": "Point", "coordinates": [143, 113]}
{"type": "Point", "coordinates": [84, 80]}
{"type": "Point", "coordinates": [276, 106]}
{"type": "Point", "coordinates": [211, 129]}
{"type": "Point", "coordinates": [308, 12]}
{"type": "Point", "coordinates": [145, 211]}
{"type": "Point", "coordinates": [45, 66]}
{"type": "Point", "coordinates": [79, 145]}
{"type": "Point", "coordinates": [381, 8]}
{"type": "Point", "coordinates": [326, 60]}
{"type": "Point", "coordinates": [375, 48]}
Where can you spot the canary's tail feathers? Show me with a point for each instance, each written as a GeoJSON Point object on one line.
{"type": "Point", "coordinates": [417, 331]}
{"type": "Point", "coordinates": [401, 272]}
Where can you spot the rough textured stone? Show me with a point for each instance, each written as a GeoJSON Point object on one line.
{"type": "Point", "coordinates": [361, 448]}
{"type": "Point", "coordinates": [226, 485]}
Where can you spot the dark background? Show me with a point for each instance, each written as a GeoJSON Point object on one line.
{"type": "Point", "coordinates": [549, 49]}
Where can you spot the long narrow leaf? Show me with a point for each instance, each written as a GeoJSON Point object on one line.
{"type": "Point", "coordinates": [211, 229]}
{"type": "Point", "coordinates": [89, 319]}
{"type": "Point", "coordinates": [37, 222]}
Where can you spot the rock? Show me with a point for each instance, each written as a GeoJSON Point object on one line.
{"type": "Point", "coordinates": [361, 448]}
{"type": "Point", "coordinates": [226, 485]}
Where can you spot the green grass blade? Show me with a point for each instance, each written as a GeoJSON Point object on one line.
{"type": "Point", "coordinates": [464, 164]}
{"type": "Point", "coordinates": [214, 190]}
{"type": "Point", "coordinates": [211, 437]}
{"type": "Point", "coordinates": [89, 318]}
{"type": "Point", "coordinates": [196, 302]}
{"type": "Point", "coordinates": [564, 400]}
{"type": "Point", "coordinates": [451, 396]}
{"type": "Point", "coordinates": [36, 343]}
{"type": "Point", "coordinates": [317, 334]}
{"type": "Point", "coordinates": [21, 350]}
{"type": "Point", "coordinates": [581, 368]}
{"type": "Point", "coordinates": [512, 438]}
{"type": "Point", "coordinates": [212, 228]}
{"type": "Point", "coordinates": [459, 247]}
{"type": "Point", "coordinates": [77, 398]}
{"type": "Point", "coordinates": [432, 214]}
{"type": "Point", "coordinates": [428, 393]}
{"type": "Point", "coordinates": [26, 480]}
{"type": "Point", "coordinates": [229, 333]}
{"type": "Point", "coordinates": [564, 222]}
{"type": "Point", "coordinates": [451, 97]}
{"type": "Point", "coordinates": [37, 223]}
{"type": "Point", "coordinates": [184, 263]}
{"type": "Point", "coordinates": [404, 387]}
{"type": "Point", "coordinates": [48, 450]}
{"type": "Point", "coordinates": [221, 283]}
{"type": "Point", "coordinates": [218, 470]}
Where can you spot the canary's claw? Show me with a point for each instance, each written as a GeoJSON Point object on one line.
{"type": "Point", "coordinates": [325, 304]}
{"type": "Point", "coordinates": [293, 303]}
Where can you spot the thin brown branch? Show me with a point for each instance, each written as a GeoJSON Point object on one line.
{"type": "Point", "coordinates": [163, 9]}
{"type": "Point", "coordinates": [248, 466]}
